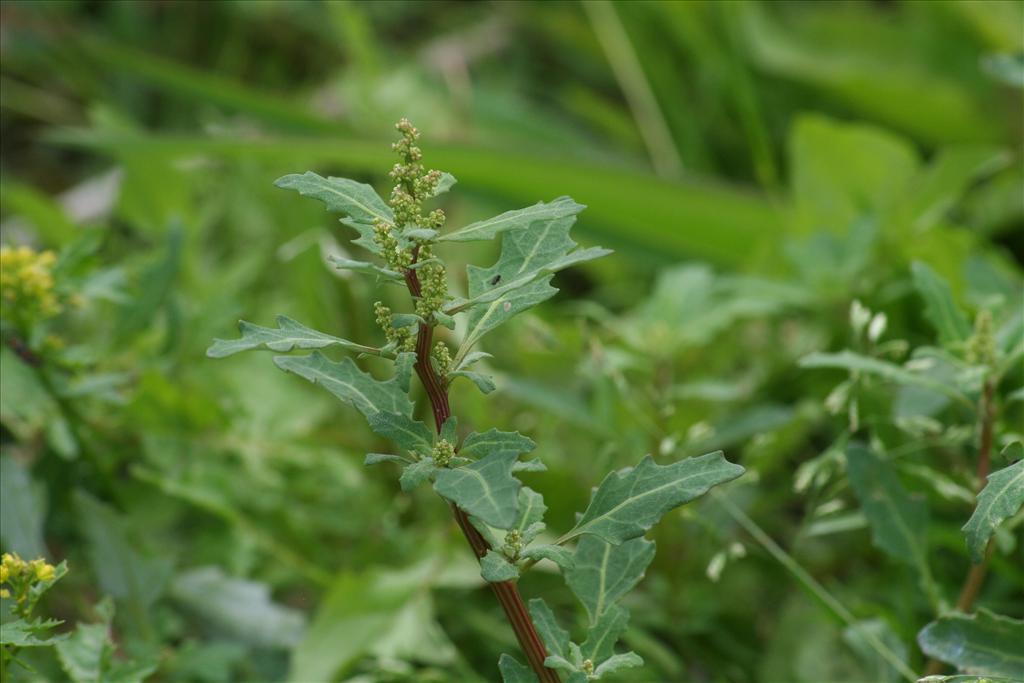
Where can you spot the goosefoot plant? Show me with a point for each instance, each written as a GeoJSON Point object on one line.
{"type": "Point", "coordinates": [604, 555]}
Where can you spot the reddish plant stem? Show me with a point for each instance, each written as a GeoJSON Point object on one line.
{"type": "Point", "coordinates": [975, 578]}
{"type": "Point", "coordinates": [507, 592]}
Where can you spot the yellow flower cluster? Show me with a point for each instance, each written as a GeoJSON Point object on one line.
{"type": "Point", "coordinates": [20, 575]}
{"type": "Point", "coordinates": [26, 283]}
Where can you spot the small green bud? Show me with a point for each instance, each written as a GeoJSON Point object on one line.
{"type": "Point", "coordinates": [981, 347]}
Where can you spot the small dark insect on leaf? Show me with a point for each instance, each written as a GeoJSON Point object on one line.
{"type": "Point", "coordinates": [495, 280]}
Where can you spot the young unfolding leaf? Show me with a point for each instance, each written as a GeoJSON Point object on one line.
{"type": "Point", "coordinates": [446, 183]}
{"type": "Point", "coordinates": [478, 445]}
{"type": "Point", "coordinates": [984, 643]}
{"type": "Point", "coordinates": [940, 309]}
{"type": "Point", "coordinates": [502, 286]}
{"type": "Point", "coordinates": [535, 465]}
{"type": "Point", "coordinates": [289, 335]}
{"type": "Point", "coordinates": [618, 663]}
{"type": "Point", "coordinates": [1002, 496]}
{"type": "Point", "coordinates": [514, 672]}
{"type": "Point", "coordinates": [632, 500]}
{"type": "Point", "coordinates": [358, 201]}
{"type": "Point", "coordinates": [554, 636]}
{"type": "Point", "coordinates": [485, 489]}
{"type": "Point", "coordinates": [377, 458]}
{"type": "Point", "coordinates": [353, 386]}
{"type": "Point", "coordinates": [603, 634]}
{"type": "Point", "coordinates": [529, 257]}
{"type": "Point", "coordinates": [342, 263]}
{"type": "Point", "coordinates": [563, 557]}
{"type": "Point", "coordinates": [416, 473]}
{"type": "Point", "coordinates": [531, 511]}
{"type": "Point", "coordinates": [495, 567]}
{"type": "Point", "coordinates": [602, 572]}
{"type": "Point", "coordinates": [561, 207]}
{"type": "Point", "coordinates": [484, 383]}
{"type": "Point", "coordinates": [410, 434]}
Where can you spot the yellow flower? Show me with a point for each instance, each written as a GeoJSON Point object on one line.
{"type": "Point", "coordinates": [43, 570]}
{"type": "Point", "coordinates": [27, 284]}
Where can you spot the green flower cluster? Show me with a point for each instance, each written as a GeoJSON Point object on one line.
{"type": "Point", "coordinates": [442, 358]}
{"type": "Point", "coordinates": [443, 453]}
{"type": "Point", "coordinates": [413, 186]}
{"type": "Point", "coordinates": [981, 347]}
{"type": "Point", "coordinates": [402, 337]}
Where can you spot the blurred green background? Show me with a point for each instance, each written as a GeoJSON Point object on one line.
{"type": "Point", "coordinates": [756, 166]}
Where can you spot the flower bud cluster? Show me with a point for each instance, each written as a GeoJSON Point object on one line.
{"type": "Point", "coordinates": [413, 185]}
{"type": "Point", "coordinates": [443, 453]}
{"type": "Point", "coordinates": [981, 347]}
{"type": "Point", "coordinates": [433, 285]}
{"type": "Point", "coordinates": [442, 358]}
{"type": "Point", "coordinates": [402, 337]}
{"type": "Point", "coordinates": [513, 544]}
{"type": "Point", "coordinates": [27, 285]}
{"type": "Point", "coordinates": [391, 251]}
{"type": "Point", "coordinates": [18, 577]}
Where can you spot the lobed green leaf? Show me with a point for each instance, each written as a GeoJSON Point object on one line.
{"type": "Point", "coordinates": [520, 278]}
{"type": "Point", "coordinates": [632, 500]}
{"type": "Point", "coordinates": [485, 489]}
{"type": "Point", "coordinates": [495, 568]}
{"type": "Point", "coordinates": [358, 201]}
{"type": "Point", "coordinates": [477, 445]}
{"type": "Point", "coordinates": [603, 634]}
{"type": "Point", "coordinates": [561, 207]}
{"type": "Point", "coordinates": [1002, 496]}
{"type": "Point", "coordinates": [288, 335]}
{"type": "Point", "coordinates": [554, 636]}
{"type": "Point", "coordinates": [410, 434]}
{"type": "Point", "coordinates": [514, 672]}
{"type": "Point", "coordinates": [603, 572]}
{"type": "Point", "coordinates": [353, 386]}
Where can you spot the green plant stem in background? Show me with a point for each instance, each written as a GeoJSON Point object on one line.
{"type": "Point", "coordinates": [630, 75]}
{"type": "Point", "coordinates": [811, 585]}
{"type": "Point", "coordinates": [507, 592]}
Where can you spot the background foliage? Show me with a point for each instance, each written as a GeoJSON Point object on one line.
{"type": "Point", "coordinates": [757, 167]}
